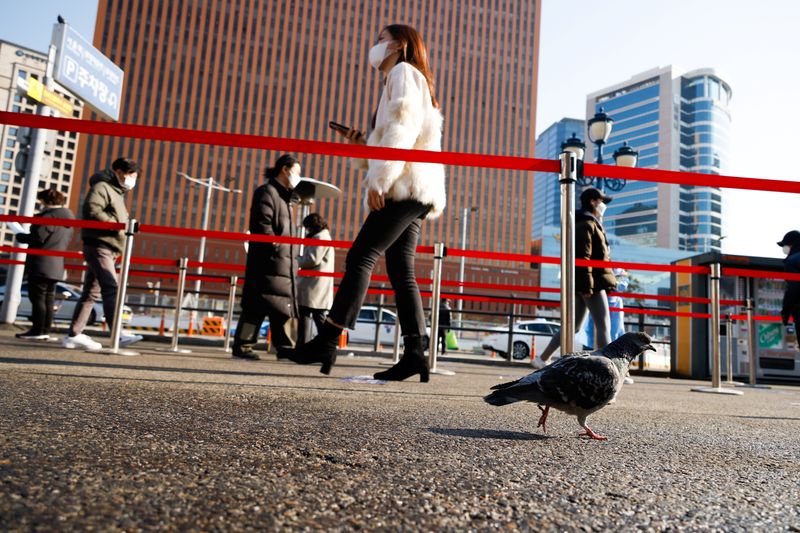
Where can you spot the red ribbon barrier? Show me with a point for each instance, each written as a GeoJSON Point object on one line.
{"type": "Point", "coordinates": [766, 274]}
{"type": "Point", "coordinates": [260, 142]}
{"type": "Point", "coordinates": [67, 222]}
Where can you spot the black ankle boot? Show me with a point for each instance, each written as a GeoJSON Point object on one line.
{"type": "Point", "coordinates": [413, 362]}
{"type": "Point", "coordinates": [320, 349]}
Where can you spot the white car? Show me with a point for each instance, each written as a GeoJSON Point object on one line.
{"type": "Point", "coordinates": [64, 302]}
{"type": "Point", "coordinates": [364, 332]}
{"type": "Point", "coordinates": [537, 331]}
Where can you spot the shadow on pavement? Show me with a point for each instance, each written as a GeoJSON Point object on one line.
{"type": "Point", "coordinates": [488, 434]}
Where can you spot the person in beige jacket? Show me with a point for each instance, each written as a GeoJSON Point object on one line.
{"type": "Point", "coordinates": [399, 196]}
{"type": "Point", "coordinates": [314, 293]}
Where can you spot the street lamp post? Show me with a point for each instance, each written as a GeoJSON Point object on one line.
{"type": "Point", "coordinates": [464, 221]}
{"type": "Point", "coordinates": [210, 185]}
{"type": "Point", "coordinates": [599, 130]}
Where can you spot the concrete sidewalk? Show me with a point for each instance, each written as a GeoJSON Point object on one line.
{"type": "Point", "coordinates": [204, 442]}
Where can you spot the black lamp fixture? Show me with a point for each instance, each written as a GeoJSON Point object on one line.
{"type": "Point", "coordinates": [574, 145]}
{"type": "Point", "coordinates": [599, 127]}
{"type": "Point", "coordinates": [625, 156]}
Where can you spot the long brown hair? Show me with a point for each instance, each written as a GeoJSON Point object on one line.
{"type": "Point", "coordinates": [414, 52]}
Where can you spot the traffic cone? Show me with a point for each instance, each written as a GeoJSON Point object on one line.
{"type": "Point", "coordinates": [161, 325]}
{"type": "Point", "coordinates": [343, 340]}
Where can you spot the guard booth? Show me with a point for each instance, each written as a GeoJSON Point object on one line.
{"type": "Point", "coordinates": [776, 354]}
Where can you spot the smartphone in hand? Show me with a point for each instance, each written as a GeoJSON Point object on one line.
{"type": "Point", "coordinates": [341, 128]}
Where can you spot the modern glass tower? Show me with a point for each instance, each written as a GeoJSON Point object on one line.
{"type": "Point", "coordinates": [546, 190]}
{"type": "Point", "coordinates": [677, 121]}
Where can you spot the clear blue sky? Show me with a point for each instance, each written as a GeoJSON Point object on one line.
{"type": "Point", "coordinates": [587, 45]}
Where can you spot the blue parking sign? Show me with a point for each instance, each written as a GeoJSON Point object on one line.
{"type": "Point", "coordinates": [86, 72]}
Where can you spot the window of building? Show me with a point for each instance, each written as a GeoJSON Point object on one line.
{"type": "Point", "coordinates": [67, 166]}
{"type": "Point", "coordinates": [11, 142]}
{"type": "Point", "coordinates": [12, 131]}
{"type": "Point", "coordinates": [54, 175]}
{"type": "Point", "coordinates": [5, 176]}
{"type": "Point", "coordinates": [3, 188]}
{"type": "Point", "coordinates": [14, 202]}
{"type": "Point", "coordinates": [59, 142]}
{"type": "Point", "coordinates": [56, 164]}
{"type": "Point", "coordinates": [6, 165]}
{"type": "Point", "coordinates": [70, 156]}
{"type": "Point", "coordinates": [71, 145]}
{"type": "Point", "coordinates": [59, 153]}
{"type": "Point", "coordinates": [15, 191]}
{"type": "Point", "coordinates": [9, 154]}
{"type": "Point", "coordinates": [65, 188]}
{"type": "Point", "coordinates": [16, 108]}
{"type": "Point", "coordinates": [22, 74]}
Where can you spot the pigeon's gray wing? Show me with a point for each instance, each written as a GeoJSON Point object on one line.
{"type": "Point", "coordinates": [506, 385]}
{"type": "Point", "coordinates": [585, 382]}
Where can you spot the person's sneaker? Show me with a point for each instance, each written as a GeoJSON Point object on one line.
{"type": "Point", "coordinates": [245, 354]}
{"type": "Point", "coordinates": [628, 381]}
{"type": "Point", "coordinates": [30, 336]}
{"type": "Point", "coordinates": [128, 339]}
{"type": "Point", "coordinates": [81, 341]}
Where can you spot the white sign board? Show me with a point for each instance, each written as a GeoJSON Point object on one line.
{"type": "Point", "coordinates": [86, 72]}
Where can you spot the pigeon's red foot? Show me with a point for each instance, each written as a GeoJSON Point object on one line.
{"type": "Point", "coordinates": [593, 435]}
{"type": "Point", "coordinates": [543, 419]}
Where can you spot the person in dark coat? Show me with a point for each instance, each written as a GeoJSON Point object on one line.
{"type": "Point", "coordinates": [591, 283]}
{"type": "Point", "coordinates": [270, 287]}
{"type": "Point", "coordinates": [43, 271]}
{"type": "Point", "coordinates": [791, 297]}
{"type": "Point", "coordinates": [444, 323]}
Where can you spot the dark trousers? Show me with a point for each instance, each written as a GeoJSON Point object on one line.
{"type": "Point", "coordinates": [249, 324]}
{"type": "Point", "coordinates": [100, 280]}
{"type": "Point", "coordinates": [394, 231]}
{"type": "Point", "coordinates": [308, 316]}
{"type": "Point", "coordinates": [443, 340]}
{"type": "Point", "coordinates": [41, 292]}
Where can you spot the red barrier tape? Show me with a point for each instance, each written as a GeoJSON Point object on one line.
{"type": "Point", "coordinates": [160, 133]}
{"type": "Point", "coordinates": [766, 274]}
{"type": "Point", "coordinates": [67, 222]}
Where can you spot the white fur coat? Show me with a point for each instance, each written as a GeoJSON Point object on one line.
{"type": "Point", "coordinates": [406, 118]}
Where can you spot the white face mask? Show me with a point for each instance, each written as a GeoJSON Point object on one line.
{"type": "Point", "coordinates": [129, 182]}
{"type": "Point", "coordinates": [378, 53]}
{"type": "Point", "coordinates": [601, 208]}
{"type": "Point", "coordinates": [294, 179]}
{"type": "Point", "coordinates": [786, 249]}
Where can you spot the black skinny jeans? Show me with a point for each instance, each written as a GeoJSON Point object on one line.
{"type": "Point", "coordinates": [394, 230]}
{"type": "Point", "coordinates": [41, 292]}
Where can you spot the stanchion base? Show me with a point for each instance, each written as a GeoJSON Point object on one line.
{"type": "Point", "coordinates": [175, 350]}
{"type": "Point", "coordinates": [733, 383]}
{"type": "Point", "coordinates": [754, 386]}
{"type": "Point", "coordinates": [109, 351]}
{"type": "Point", "coordinates": [718, 390]}
{"type": "Point", "coordinates": [443, 372]}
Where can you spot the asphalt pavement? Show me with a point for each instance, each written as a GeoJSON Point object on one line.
{"type": "Point", "coordinates": [202, 442]}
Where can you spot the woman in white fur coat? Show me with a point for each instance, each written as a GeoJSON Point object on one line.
{"type": "Point", "coordinates": [399, 196]}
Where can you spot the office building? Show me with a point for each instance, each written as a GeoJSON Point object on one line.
{"type": "Point", "coordinates": [546, 189]}
{"type": "Point", "coordinates": [58, 167]}
{"type": "Point", "coordinates": [286, 69]}
{"type": "Point", "coordinates": [677, 121]}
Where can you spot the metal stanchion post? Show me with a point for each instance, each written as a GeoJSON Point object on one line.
{"type": "Point", "coordinates": [567, 178]}
{"type": "Point", "coordinates": [439, 252]}
{"type": "Point", "coordinates": [229, 317]}
{"type": "Point", "coordinates": [116, 325]}
{"type": "Point", "coordinates": [730, 350]}
{"type": "Point", "coordinates": [396, 346]}
{"type": "Point", "coordinates": [751, 348]}
{"type": "Point", "coordinates": [510, 343]}
{"type": "Point", "coordinates": [182, 265]}
{"type": "Point", "coordinates": [716, 377]}
{"type": "Point", "coordinates": [377, 342]}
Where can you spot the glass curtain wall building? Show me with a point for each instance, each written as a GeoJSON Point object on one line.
{"type": "Point", "coordinates": [677, 121]}
{"type": "Point", "coordinates": [546, 189]}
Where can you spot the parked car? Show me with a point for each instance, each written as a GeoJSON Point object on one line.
{"type": "Point", "coordinates": [66, 298]}
{"type": "Point", "coordinates": [364, 332]}
{"type": "Point", "coordinates": [529, 337]}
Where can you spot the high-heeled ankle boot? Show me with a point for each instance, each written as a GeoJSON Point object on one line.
{"type": "Point", "coordinates": [320, 349]}
{"type": "Point", "coordinates": [413, 362]}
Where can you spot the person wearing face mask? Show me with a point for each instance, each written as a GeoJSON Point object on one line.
{"type": "Point", "coordinates": [791, 297]}
{"type": "Point", "coordinates": [105, 202]}
{"type": "Point", "coordinates": [43, 271]}
{"type": "Point", "coordinates": [591, 283]}
{"type": "Point", "coordinates": [399, 196]}
{"type": "Point", "coordinates": [269, 287]}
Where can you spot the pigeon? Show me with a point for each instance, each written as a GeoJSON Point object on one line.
{"type": "Point", "coordinates": [579, 383]}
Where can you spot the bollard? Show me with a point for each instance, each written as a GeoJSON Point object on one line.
{"type": "Point", "coordinates": [182, 265]}
{"type": "Point", "coordinates": [229, 317]}
{"type": "Point", "coordinates": [377, 340]}
{"type": "Point", "coordinates": [567, 178]}
{"type": "Point", "coordinates": [116, 326]}
{"type": "Point", "coordinates": [510, 344]}
{"type": "Point", "coordinates": [751, 348]}
{"type": "Point", "coordinates": [439, 252]}
{"type": "Point", "coordinates": [730, 350]}
{"type": "Point", "coordinates": [715, 348]}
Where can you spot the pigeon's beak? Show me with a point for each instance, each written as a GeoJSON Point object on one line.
{"type": "Point", "coordinates": [650, 347]}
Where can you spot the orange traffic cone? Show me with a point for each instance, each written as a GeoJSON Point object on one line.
{"type": "Point", "coordinates": [161, 325]}
{"type": "Point", "coordinates": [343, 340]}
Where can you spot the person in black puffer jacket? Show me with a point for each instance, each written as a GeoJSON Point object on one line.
{"type": "Point", "coordinates": [791, 296]}
{"type": "Point", "coordinates": [43, 271]}
{"type": "Point", "coordinates": [269, 287]}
